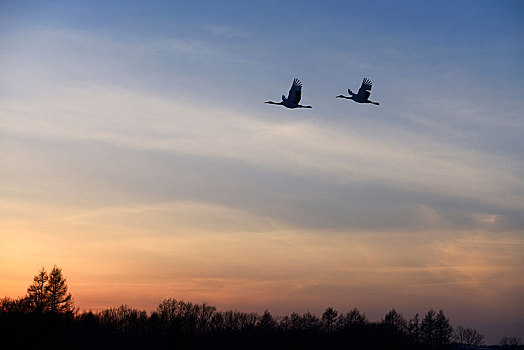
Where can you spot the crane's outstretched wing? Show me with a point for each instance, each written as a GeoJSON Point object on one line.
{"type": "Point", "coordinates": [365, 89]}
{"type": "Point", "coordinates": [295, 93]}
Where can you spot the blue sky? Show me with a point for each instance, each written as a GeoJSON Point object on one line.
{"type": "Point", "coordinates": [136, 132]}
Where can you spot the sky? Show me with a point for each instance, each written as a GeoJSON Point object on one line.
{"type": "Point", "coordinates": [136, 153]}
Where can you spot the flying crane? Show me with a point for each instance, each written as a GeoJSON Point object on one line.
{"type": "Point", "coordinates": [293, 98]}
{"type": "Point", "coordinates": [363, 93]}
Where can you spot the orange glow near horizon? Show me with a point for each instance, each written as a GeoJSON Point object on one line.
{"type": "Point", "coordinates": [110, 258]}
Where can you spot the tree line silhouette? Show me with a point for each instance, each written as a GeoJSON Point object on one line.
{"type": "Point", "coordinates": [46, 317]}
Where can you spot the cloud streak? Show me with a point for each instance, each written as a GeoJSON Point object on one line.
{"type": "Point", "coordinates": [298, 147]}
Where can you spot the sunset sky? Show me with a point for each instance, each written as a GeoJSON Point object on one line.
{"type": "Point", "coordinates": [136, 153]}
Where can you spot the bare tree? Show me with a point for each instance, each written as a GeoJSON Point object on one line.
{"type": "Point", "coordinates": [204, 317]}
{"type": "Point", "coordinates": [468, 336]}
{"type": "Point", "coordinates": [512, 342]}
{"type": "Point", "coordinates": [124, 319]}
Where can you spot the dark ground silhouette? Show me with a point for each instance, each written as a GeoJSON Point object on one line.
{"type": "Point", "coordinates": [46, 318]}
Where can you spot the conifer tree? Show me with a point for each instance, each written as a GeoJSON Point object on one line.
{"type": "Point", "coordinates": [435, 329]}
{"type": "Point", "coordinates": [37, 293]}
{"type": "Point", "coordinates": [59, 300]}
{"type": "Point", "coordinates": [329, 319]}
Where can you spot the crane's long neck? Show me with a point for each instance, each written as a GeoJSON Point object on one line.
{"type": "Point", "coordinates": [273, 103]}
{"type": "Point", "coordinates": [346, 97]}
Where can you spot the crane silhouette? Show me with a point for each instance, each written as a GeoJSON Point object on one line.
{"type": "Point", "coordinates": [363, 93]}
{"type": "Point", "coordinates": [293, 98]}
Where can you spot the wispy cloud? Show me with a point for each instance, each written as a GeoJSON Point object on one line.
{"type": "Point", "coordinates": [150, 123]}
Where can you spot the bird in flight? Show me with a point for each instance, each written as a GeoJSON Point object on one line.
{"type": "Point", "coordinates": [363, 93]}
{"type": "Point", "coordinates": [293, 98]}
